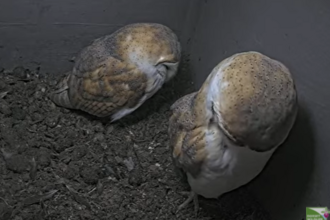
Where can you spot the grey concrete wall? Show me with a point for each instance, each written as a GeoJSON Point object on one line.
{"type": "Point", "coordinates": [297, 33]}
{"type": "Point", "coordinates": [49, 33]}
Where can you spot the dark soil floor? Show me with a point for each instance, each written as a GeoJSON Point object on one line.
{"type": "Point", "coordinates": [62, 164]}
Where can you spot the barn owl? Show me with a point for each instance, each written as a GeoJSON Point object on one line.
{"type": "Point", "coordinates": [223, 135]}
{"type": "Point", "coordinates": [117, 73]}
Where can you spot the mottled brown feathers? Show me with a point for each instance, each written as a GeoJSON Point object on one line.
{"type": "Point", "coordinates": [104, 95]}
{"type": "Point", "coordinates": [249, 96]}
{"type": "Point", "coordinates": [115, 71]}
{"type": "Point", "coordinates": [187, 140]}
{"type": "Point", "coordinates": [258, 100]}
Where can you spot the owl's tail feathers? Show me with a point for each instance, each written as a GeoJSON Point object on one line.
{"type": "Point", "coordinates": [61, 95]}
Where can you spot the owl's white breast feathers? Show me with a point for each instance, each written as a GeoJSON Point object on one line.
{"type": "Point", "coordinates": [228, 168]}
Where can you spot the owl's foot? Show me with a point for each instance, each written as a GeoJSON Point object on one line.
{"type": "Point", "coordinates": [191, 197]}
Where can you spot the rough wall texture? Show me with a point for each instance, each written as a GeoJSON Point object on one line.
{"type": "Point", "coordinates": [297, 33]}
{"type": "Point", "coordinates": [49, 33]}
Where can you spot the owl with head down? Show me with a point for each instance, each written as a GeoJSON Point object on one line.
{"type": "Point", "coordinates": [117, 73]}
{"type": "Point", "coordinates": [223, 135]}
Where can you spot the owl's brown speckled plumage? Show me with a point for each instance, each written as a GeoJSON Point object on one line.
{"type": "Point", "coordinates": [223, 135]}
{"type": "Point", "coordinates": [258, 100]}
{"type": "Point", "coordinates": [117, 73]}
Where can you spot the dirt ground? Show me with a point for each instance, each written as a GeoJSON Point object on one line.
{"type": "Point", "coordinates": [62, 164]}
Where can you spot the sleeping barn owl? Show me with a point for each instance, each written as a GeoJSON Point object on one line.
{"type": "Point", "coordinates": [223, 135]}
{"type": "Point", "coordinates": [117, 73]}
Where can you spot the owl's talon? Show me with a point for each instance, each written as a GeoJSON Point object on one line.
{"type": "Point", "coordinates": [191, 197]}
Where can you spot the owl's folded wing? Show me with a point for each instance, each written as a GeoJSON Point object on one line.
{"type": "Point", "coordinates": [187, 141]}
{"type": "Point", "coordinates": [103, 90]}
